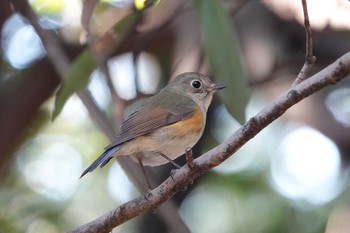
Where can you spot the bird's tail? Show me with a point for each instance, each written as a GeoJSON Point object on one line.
{"type": "Point", "coordinates": [103, 160]}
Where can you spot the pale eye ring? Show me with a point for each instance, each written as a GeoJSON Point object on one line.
{"type": "Point", "coordinates": [196, 84]}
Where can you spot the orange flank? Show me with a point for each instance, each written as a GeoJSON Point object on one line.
{"type": "Point", "coordinates": [193, 124]}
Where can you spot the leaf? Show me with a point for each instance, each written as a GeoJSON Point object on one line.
{"type": "Point", "coordinates": [77, 78]}
{"type": "Point", "coordinates": [115, 36]}
{"type": "Point", "coordinates": [222, 49]}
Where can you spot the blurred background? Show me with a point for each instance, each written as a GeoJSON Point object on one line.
{"type": "Point", "coordinates": [292, 177]}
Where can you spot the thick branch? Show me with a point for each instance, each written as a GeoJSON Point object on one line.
{"type": "Point", "coordinates": [332, 74]}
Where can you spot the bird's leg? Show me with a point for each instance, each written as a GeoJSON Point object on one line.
{"type": "Point", "coordinates": [172, 172]}
{"type": "Point", "coordinates": [146, 177]}
{"type": "Point", "coordinates": [170, 160]}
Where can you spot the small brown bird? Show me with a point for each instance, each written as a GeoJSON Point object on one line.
{"type": "Point", "coordinates": [165, 125]}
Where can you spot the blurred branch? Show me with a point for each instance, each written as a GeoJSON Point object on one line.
{"type": "Point", "coordinates": [49, 40]}
{"type": "Point", "coordinates": [309, 57]}
{"type": "Point", "coordinates": [61, 62]}
{"type": "Point", "coordinates": [87, 11]}
{"type": "Point", "coordinates": [20, 101]}
{"type": "Point", "coordinates": [330, 75]}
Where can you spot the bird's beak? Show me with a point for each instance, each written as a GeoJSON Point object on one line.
{"type": "Point", "coordinates": [216, 87]}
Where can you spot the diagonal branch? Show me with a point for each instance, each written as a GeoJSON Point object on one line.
{"type": "Point", "coordinates": [332, 74]}
{"type": "Point", "coordinates": [309, 57]}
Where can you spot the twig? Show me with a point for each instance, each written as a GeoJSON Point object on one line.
{"type": "Point", "coordinates": [309, 57]}
{"type": "Point", "coordinates": [189, 158]}
{"type": "Point", "coordinates": [332, 74]}
{"type": "Point", "coordinates": [87, 11]}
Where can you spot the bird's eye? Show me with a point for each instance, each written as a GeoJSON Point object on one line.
{"type": "Point", "coordinates": [196, 84]}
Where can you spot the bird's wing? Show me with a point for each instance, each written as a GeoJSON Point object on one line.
{"type": "Point", "coordinates": [153, 115]}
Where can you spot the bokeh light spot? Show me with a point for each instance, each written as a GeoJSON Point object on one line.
{"type": "Point", "coordinates": [307, 167]}
{"type": "Point", "coordinates": [122, 72]}
{"type": "Point", "coordinates": [337, 103]}
{"type": "Point", "coordinates": [206, 211]}
{"type": "Point", "coordinates": [119, 185]}
{"type": "Point", "coordinates": [20, 43]}
{"type": "Point", "coordinates": [51, 174]}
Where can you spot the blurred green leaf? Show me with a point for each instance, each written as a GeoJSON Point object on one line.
{"type": "Point", "coordinates": [120, 31]}
{"type": "Point", "coordinates": [222, 49]}
{"type": "Point", "coordinates": [47, 7]}
{"type": "Point", "coordinates": [76, 79]}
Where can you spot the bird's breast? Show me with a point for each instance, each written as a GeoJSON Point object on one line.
{"type": "Point", "coordinates": [193, 125]}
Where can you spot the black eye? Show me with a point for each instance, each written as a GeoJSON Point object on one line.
{"type": "Point", "coordinates": [196, 84]}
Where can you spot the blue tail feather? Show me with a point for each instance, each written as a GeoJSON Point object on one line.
{"type": "Point", "coordinates": [103, 160]}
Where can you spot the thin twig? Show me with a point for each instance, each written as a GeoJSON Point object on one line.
{"type": "Point", "coordinates": [330, 75]}
{"type": "Point", "coordinates": [189, 157]}
{"type": "Point", "coordinates": [87, 11]}
{"type": "Point", "coordinates": [309, 57]}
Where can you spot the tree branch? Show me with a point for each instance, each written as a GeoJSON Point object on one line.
{"type": "Point", "coordinates": [332, 74]}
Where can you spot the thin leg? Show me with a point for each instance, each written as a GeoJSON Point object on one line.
{"type": "Point", "coordinates": [144, 173]}
{"type": "Point", "coordinates": [170, 160]}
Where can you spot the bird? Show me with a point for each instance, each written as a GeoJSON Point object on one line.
{"type": "Point", "coordinates": [165, 125]}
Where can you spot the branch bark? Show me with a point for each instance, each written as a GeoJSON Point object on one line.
{"type": "Point", "coordinates": [330, 75]}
